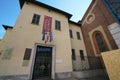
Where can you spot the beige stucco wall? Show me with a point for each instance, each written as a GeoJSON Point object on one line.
{"type": "Point", "coordinates": [25, 35]}
{"type": "Point", "coordinates": [0, 41]}
{"type": "Point", "coordinates": [0, 45]}
{"type": "Point", "coordinates": [112, 63]}
{"type": "Point", "coordinates": [99, 28]}
{"type": "Point", "coordinates": [78, 45]}
{"type": "Point", "coordinates": [3, 41]}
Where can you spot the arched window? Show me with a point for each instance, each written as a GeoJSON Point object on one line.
{"type": "Point", "coordinates": [99, 42]}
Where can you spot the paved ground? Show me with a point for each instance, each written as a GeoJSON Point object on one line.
{"type": "Point", "coordinates": [93, 78]}
{"type": "Point", "coordinates": [69, 79]}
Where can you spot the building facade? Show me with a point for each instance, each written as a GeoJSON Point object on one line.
{"type": "Point", "coordinates": [32, 51]}
{"type": "Point", "coordinates": [113, 7]}
{"type": "Point", "coordinates": [45, 44]}
{"type": "Point", "coordinates": [95, 24]}
{"type": "Point", "coordinates": [100, 28]}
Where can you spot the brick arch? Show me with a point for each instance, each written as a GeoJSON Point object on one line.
{"type": "Point", "coordinates": [97, 46]}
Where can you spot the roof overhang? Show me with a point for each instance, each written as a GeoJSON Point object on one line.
{"type": "Point", "coordinates": [78, 24]}
{"type": "Point", "coordinates": [45, 6]}
{"type": "Point", "coordinates": [21, 3]}
{"type": "Point", "coordinates": [6, 27]}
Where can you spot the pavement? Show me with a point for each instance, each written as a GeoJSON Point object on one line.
{"type": "Point", "coordinates": [92, 78]}
{"type": "Point", "coordinates": [68, 79]}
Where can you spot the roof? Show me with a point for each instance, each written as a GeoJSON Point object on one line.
{"type": "Point", "coordinates": [78, 24]}
{"type": "Point", "coordinates": [6, 27]}
{"type": "Point", "coordinates": [45, 6]}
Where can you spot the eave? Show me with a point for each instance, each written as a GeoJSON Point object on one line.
{"type": "Point", "coordinates": [45, 6]}
{"type": "Point", "coordinates": [6, 27]}
{"type": "Point", "coordinates": [78, 24]}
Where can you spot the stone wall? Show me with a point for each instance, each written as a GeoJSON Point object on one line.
{"type": "Point", "coordinates": [14, 77]}
{"type": "Point", "coordinates": [98, 74]}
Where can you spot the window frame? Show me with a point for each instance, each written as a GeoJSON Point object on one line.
{"type": "Point", "coordinates": [36, 19]}
{"type": "Point", "coordinates": [82, 57]}
{"type": "Point", "coordinates": [73, 54]}
{"type": "Point", "coordinates": [27, 54]}
{"type": "Point", "coordinates": [96, 44]}
{"type": "Point", "coordinates": [78, 35]}
{"type": "Point", "coordinates": [57, 25]}
{"type": "Point", "coordinates": [71, 33]}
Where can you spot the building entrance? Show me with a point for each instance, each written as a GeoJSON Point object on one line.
{"type": "Point", "coordinates": [43, 63]}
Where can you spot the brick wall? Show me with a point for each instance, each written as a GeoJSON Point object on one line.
{"type": "Point", "coordinates": [102, 17]}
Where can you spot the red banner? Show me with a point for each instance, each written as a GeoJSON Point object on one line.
{"type": "Point", "coordinates": [46, 31]}
{"type": "Point", "coordinates": [47, 24]}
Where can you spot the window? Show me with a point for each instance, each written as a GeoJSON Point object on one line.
{"type": "Point", "coordinates": [73, 54]}
{"type": "Point", "coordinates": [27, 54]}
{"type": "Point", "coordinates": [57, 25]}
{"type": "Point", "coordinates": [36, 19]}
{"type": "Point", "coordinates": [100, 43]}
{"type": "Point", "coordinates": [78, 35]}
{"type": "Point", "coordinates": [70, 32]}
{"type": "Point", "coordinates": [82, 55]}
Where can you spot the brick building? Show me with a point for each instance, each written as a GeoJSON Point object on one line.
{"type": "Point", "coordinates": [99, 27]}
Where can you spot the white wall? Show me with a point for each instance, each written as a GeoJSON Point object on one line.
{"type": "Point", "coordinates": [115, 31]}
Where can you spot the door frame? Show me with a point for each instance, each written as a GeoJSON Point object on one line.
{"type": "Point", "coordinates": [33, 59]}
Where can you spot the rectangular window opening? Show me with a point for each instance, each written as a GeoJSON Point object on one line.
{"type": "Point", "coordinates": [70, 32]}
{"type": "Point", "coordinates": [82, 55]}
{"type": "Point", "coordinates": [78, 35]}
{"type": "Point", "coordinates": [27, 54]}
{"type": "Point", "coordinates": [57, 25]}
{"type": "Point", "coordinates": [36, 19]}
{"type": "Point", "coordinates": [73, 54]}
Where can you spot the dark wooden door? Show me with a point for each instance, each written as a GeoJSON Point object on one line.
{"type": "Point", "coordinates": [43, 63]}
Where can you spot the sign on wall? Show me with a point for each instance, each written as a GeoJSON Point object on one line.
{"type": "Point", "coordinates": [7, 53]}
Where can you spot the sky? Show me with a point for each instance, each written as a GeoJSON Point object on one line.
{"type": "Point", "coordinates": [10, 9]}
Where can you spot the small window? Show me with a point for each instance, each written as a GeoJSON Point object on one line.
{"type": "Point", "coordinates": [78, 35]}
{"type": "Point", "coordinates": [27, 54]}
{"type": "Point", "coordinates": [36, 19]}
{"type": "Point", "coordinates": [73, 54]}
{"type": "Point", "coordinates": [82, 55]}
{"type": "Point", "coordinates": [57, 25]}
{"type": "Point", "coordinates": [70, 32]}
